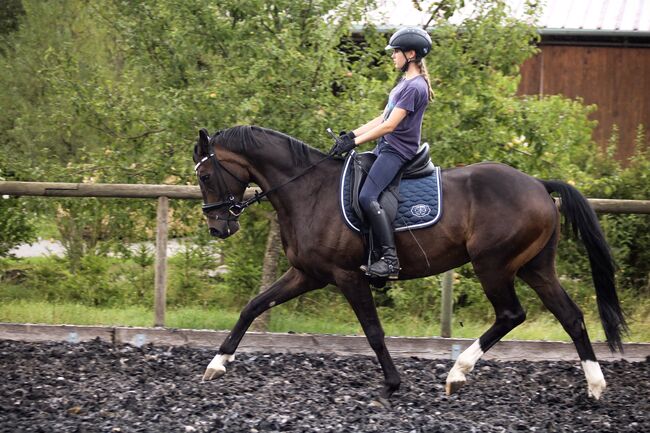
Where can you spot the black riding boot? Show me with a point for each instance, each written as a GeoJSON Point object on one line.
{"type": "Point", "coordinates": [388, 265]}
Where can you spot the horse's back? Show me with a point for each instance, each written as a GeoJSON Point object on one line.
{"type": "Point", "coordinates": [490, 183]}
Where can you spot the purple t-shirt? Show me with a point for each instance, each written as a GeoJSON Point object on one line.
{"type": "Point", "coordinates": [413, 96]}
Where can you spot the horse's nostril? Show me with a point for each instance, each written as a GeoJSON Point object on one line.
{"type": "Point", "coordinates": [214, 232]}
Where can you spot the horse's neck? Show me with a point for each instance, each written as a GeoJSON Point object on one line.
{"type": "Point", "coordinates": [294, 189]}
{"type": "Point", "coordinates": [279, 177]}
{"type": "Point", "coordinates": [276, 163]}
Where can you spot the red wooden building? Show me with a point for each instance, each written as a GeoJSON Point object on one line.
{"type": "Point", "coordinates": [598, 50]}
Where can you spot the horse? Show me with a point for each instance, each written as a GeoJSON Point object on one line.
{"type": "Point", "coordinates": [502, 221]}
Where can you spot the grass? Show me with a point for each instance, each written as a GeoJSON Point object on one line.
{"type": "Point", "coordinates": [73, 314]}
{"type": "Point", "coordinates": [542, 327]}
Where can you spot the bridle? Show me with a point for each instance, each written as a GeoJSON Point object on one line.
{"type": "Point", "coordinates": [235, 208]}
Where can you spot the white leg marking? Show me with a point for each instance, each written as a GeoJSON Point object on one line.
{"type": "Point", "coordinates": [217, 366]}
{"type": "Point", "coordinates": [464, 364]}
{"type": "Point", "coordinates": [595, 378]}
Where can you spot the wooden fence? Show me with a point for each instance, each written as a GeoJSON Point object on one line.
{"type": "Point", "coordinates": [343, 345]}
{"type": "Point", "coordinates": [164, 192]}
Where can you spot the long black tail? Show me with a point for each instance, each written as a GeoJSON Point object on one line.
{"type": "Point", "coordinates": [584, 223]}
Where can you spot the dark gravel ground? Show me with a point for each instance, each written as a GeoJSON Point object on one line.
{"type": "Point", "coordinates": [89, 387]}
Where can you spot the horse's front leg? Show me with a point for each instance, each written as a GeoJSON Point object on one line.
{"type": "Point", "coordinates": [293, 283]}
{"type": "Point", "coordinates": [357, 292]}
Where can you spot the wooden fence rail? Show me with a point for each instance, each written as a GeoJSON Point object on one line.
{"type": "Point", "coordinates": [117, 190]}
{"type": "Point", "coordinates": [164, 192]}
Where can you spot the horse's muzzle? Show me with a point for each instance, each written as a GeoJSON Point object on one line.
{"type": "Point", "coordinates": [225, 231]}
{"type": "Point", "coordinates": [217, 233]}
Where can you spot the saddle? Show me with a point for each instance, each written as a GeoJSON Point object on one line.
{"type": "Point", "coordinates": [412, 200]}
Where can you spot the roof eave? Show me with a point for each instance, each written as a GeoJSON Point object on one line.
{"type": "Point", "coordinates": [544, 31]}
{"type": "Point", "coordinates": [593, 32]}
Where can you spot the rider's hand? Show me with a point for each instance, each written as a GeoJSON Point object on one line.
{"type": "Point", "coordinates": [344, 143]}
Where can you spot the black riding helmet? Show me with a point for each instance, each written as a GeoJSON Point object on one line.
{"type": "Point", "coordinates": [411, 38]}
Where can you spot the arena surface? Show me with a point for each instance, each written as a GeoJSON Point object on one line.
{"type": "Point", "coordinates": [98, 387]}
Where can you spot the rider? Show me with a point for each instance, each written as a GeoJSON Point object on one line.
{"type": "Point", "coordinates": [398, 129]}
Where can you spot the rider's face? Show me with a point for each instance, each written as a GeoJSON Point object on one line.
{"type": "Point", "coordinates": [399, 57]}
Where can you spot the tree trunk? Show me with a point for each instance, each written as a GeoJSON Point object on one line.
{"type": "Point", "coordinates": [269, 270]}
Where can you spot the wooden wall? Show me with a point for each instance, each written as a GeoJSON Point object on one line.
{"type": "Point", "coordinates": [617, 79]}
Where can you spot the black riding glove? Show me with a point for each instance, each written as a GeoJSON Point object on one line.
{"type": "Point", "coordinates": [344, 143]}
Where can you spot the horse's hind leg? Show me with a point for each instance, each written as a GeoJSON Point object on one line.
{"type": "Point", "coordinates": [499, 288]}
{"type": "Point", "coordinates": [539, 273]}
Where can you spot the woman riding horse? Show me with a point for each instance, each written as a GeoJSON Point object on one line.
{"type": "Point", "coordinates": [502, 221]}
{"type": "Point", "coordinates": [398, 129]}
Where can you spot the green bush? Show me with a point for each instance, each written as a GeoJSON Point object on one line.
{"type": "Point", "coordinates": [193, 272]}
{"type": "Point", "coordinates": [417, 298]}
{"type": "Point", "coordinates": [243, 256]}
{"type": "Point", "coordinates": [628, 235]}
{"type": "Point", "coordinates": [16, 227]}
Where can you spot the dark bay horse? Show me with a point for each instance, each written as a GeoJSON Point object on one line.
{"type": "Point", "coordinates": [501, 220]}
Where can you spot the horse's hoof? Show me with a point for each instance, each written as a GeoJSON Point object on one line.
{"type": "Point", "coordinates": [384, 402]}
{"type": "Point", "coordinates": [217, 366]}
{"type": "Point", "coordinates": [213, 373]}
{"type": "Point", "coordinates": [595, 390]}
{"type": "Point", "coordinates": [595, 380]}
{"type": "Point", "coordinates": [381, 403]}
{"type": "Point", "coordinates": [453, 387]}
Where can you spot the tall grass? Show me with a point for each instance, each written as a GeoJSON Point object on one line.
{"type": "Point", "coordinates": [542, 327]}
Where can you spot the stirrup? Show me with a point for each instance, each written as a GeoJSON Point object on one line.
{"type": "Point", "coordinates": [391, 272]}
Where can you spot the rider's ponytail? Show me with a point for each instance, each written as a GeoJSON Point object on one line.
{"type": "Point", "coordinates": [425, 74]}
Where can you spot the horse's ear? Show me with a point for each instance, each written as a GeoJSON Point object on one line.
{"type": "Point", "coordinates": [204, 142]}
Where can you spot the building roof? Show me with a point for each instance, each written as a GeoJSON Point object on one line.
{"type": "Point", "coordinates": [557, 17]}
{"type": "Point", "coordinates": [596, 16]}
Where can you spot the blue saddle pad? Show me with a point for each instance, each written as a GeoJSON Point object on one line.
{"type": "Point", "coordinates": [419, 205]}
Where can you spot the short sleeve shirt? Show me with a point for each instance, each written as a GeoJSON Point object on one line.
{"type": "Point", "coordinates": [413, 96]}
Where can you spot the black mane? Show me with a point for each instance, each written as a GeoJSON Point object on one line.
{"type": "Point", "coordinates": [248, 139]}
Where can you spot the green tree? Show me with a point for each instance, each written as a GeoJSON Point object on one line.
{"type": "Point", "coordinates": [10, 13]}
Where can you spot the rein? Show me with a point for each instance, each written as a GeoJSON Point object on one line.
{"type": "Point", "coordinates": [235, 208]}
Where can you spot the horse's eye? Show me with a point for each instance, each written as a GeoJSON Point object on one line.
{"type": "Point", "coordinates": [205, 178]}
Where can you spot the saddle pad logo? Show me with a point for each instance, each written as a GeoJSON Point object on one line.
{"type": "Point", "coordinates": [420, 210]}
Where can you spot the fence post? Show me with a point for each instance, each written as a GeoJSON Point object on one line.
{"type": "Point", "coordinates": [160, 294]}
{"type": "Point", "coordinates": [447, 304]}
